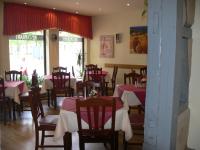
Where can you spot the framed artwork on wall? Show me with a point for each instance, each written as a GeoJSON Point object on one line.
{"type": "Point", "coordinates": [107, 46]}
{"type": "Point", "coordinates": [138, 39]}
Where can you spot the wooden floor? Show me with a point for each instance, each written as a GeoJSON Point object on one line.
{"type": "Point", "coordinates": [20, 135]}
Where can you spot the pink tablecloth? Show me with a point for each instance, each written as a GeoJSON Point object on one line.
{"type": "Point", "coordinates": [139, 92]}
{"type": "Point", "coordinates": [13, 84]}
{"type": "Point", "coordinates": [69, 104]}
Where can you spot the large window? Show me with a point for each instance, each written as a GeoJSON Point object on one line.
{"type": "Point", "coordinates": [70, 52]}
{"type": "Point", "coordinates": [27, 52]}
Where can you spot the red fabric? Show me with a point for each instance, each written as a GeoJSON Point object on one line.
{"type": "Point", "coordinates": [69, 104]}
{"type": "Point", "coordinates": [19, 84]}
{"type": "Point", "coordinates": [139, 92]}
{"type": "Point", "coordinates": [20, 18]}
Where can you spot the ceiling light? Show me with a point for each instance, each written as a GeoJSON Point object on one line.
{"type": "Point", "coordinates": [127, 4]}
{"type": "Point", "coordinates": [76, 12]}
{"type": "Point", "coordinates": [25, 3]}
{"type": "Point", "coordinates": [54, 8]}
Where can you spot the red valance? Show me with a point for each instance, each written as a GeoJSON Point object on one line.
{"type": "Point", "coordinates": [20, 18]}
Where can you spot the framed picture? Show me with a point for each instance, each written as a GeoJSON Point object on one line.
{"type": "Point", "coordinates": [138, 39]}
{"type": "Point", "coordinates": [107, 46]}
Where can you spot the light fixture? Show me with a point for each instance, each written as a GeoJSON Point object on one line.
{"type": "Point", "coordinates": [76, 12]}
{"type": "Point", "coordinates": [127, 4]}
{"type": "Point", "coordinates": [54, 8]}
{"type": "Point", "coordinates": [25, 3]}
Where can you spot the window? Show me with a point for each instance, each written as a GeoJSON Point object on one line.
{"type": "Point", "coordinates": [27, 52]}
{"type": "Point", "coordinates": [70, 52]}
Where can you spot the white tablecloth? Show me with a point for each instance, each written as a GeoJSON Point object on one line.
{"type": "Point", "coordinates": [14, 91]}
{"type": "Point", "coordinates": [48, 84]}
{"type": "Point", "coordinates": [67, 122]}
{"type": "Point", "coordinates": [128, 97]}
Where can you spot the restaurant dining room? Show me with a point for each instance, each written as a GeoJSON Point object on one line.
{"type": "Point", "coordinates": [99, 74]}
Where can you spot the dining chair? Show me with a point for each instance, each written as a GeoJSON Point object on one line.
{"type": "Point", "coordinates": [61, 86]}
{"type": "Point", "coordinates": [13, 75]}
{"type": "Point", "coordinates": [95, 112]}
{"type": "Point", "coordinates": [113, 81]}
{"type": "Point", "coordinates": [42, 123]}
{"type": "Point", "coordinates": [5, 102]}
{"type": "Point", "coordinates": [131, 78]}
{"type": "Point", "coordinates": [91, 66]}
{"type": "Point", "coordinates": [143, 71]}
{"type": "Point", "coordinates": [24, 97]}
{"type": "Point", "coordinates": [59, 69]}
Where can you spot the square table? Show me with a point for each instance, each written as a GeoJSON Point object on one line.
{"type": "Point", "coordinates": [67, 121]}
{"type": "Point", "coordinates": [130, 94]}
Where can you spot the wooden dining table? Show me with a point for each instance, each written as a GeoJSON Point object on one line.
{"type": "Point", "coordinates": [67, 121]}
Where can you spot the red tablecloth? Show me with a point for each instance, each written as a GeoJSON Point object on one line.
{"type": "Point", "coordinates": [139, 92]}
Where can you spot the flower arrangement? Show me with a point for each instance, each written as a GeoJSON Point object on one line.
{"type": "Point", "coordinates": [93, 93]}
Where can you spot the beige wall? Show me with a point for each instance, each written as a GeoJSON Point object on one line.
{"type": "Point", "coordinates": [110, 25]}
{"type": "Point", "coordinates": [194, 93]}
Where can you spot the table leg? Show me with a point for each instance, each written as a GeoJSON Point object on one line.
{"type": "Point", "coordinates": [67, 139]}
{"type": "Point", "coordinates": [14, 109]}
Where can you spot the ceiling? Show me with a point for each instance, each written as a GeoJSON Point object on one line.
{"type": "Point", "coordinates": [86, 7]}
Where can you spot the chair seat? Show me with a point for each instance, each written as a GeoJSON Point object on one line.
{"type": "Point", "coordinates": [49, 119]}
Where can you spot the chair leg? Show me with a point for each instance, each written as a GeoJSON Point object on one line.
{"type": "Point", "coordinates": [82, 145]}
{"type": "Point", "coordinates": [14, 109]}
{"type": "Point", "coordinates": [48, 97]}
{"type": "Point", "coordinates": [36, 140]}
{"type": "Point", "coordinates": [43, 135]}
{"type": "Point", "coordinates": [67, 140]}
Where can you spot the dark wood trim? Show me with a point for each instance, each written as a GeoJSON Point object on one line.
{"type": "Point", "coordinates": [45, 53]}
{"type": "Point", "coordinates": [125, 66]}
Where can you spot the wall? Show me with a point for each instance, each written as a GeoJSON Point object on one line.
{"type": "Point", "coordinates": [194, 93]}
{"type": "Point", "coordinates": [4, 53]}
{"type": "Point", "coordinates": [110, 25]}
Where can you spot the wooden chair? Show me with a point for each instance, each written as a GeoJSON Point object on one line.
{"type": "Point", "coordinates": [13, 75]}
{"type": "Point", "coordinates": [83, 88]}
{"type": "Point", "coordinates": [61, 86]}
{"type": "Point", "coordinates": [59, 69]}
{"type": "Point", "coordinates": [91, 66]}
{"type": "Point", "coordinates": [143, 71]}
{"type": "Point", "coordinates": [24, 97]}
{"type": "Point", "coordinates": [94, 111]}
{"type": "Point", "coordinates": [130, 78]}
{"type": "Point", "coordinates": [5, 102]}
{"type": "Point", "coordinates": [113, 80]}
{"type": "Point", "coordinates": [42, 123]}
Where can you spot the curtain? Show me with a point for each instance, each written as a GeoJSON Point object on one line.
{"type": "Point", "coordinates": [20, 18]}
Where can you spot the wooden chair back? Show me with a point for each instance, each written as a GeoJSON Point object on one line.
{"type": "Point", "coordinates": [113, 79]}
{"type": "Point", "coordinates": [130, 78]}
{"type": "Point", "coordinates": [143, 71]}
{"type": "Point", "coordinates": [91, 66]}
{"type": "Point", "coordinates": [61, 80]}
{"type": "Point", "coordinates": [95, 111]}
{"type": "Point", "coordinates": [36, 105]}
{"type": "Point", "coordinates": [13, 75]}
{"type": "Point", "coordinates": [59, 69]}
